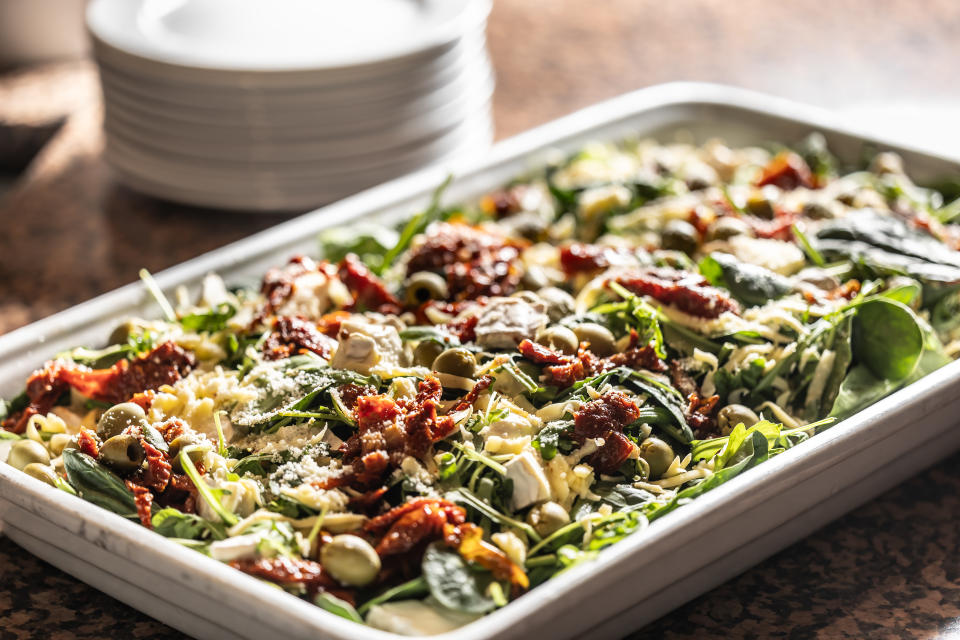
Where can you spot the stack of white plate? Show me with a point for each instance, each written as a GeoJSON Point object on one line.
{"type": "Point", "coordinates": [287, 104]}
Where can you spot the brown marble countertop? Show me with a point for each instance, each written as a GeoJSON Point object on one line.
{"type": "Point", "coordinates": [890, 569]}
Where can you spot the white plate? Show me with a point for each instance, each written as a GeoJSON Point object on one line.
{"type": "Point", "coordinates": [267, 114]}
{"type": "Point", "coordinates": [323, 140]}
{"type": "Point", "coordinates": [742, 521]}
{"type": "Point", "coordinates": [253, 35]}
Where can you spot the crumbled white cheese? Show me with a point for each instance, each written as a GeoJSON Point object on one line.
{"type": "Point", "coordinates": [504, 322]}
{"type": "Point", "coordinates": [365, 346]}
{"type": "Point", "coordinates": [530, 485]}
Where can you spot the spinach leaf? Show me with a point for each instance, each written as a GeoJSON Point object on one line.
{"type": "Point", "coordinates": [887, 338]}
{"type": "Point", "coordinates": [368, 241]}
{"type": "Point", "coordinates": [625, 498]}
{"type": "Point", "coordinates": [859, 389]}
{"type": "Point", "coordinates": [211, 321]}
{"type": "Point", "coordinates": [750, 284]}
{"type": "Point", "coordinates": [554, 437]}
{"type": "Point", "coordinates": [667, 397]}
{"type": "Point", "coordinates": [172, 523]}
{"type": "Point", "coordinates": [633, 313]}
{"type": "Point", "coordinates": [411, 589]}
{"type": "Point", "coordinates": [14, 406]}
{"type": "Point", "coordinates": [96, 484]}
{"type": "Point", "coordinates": [843, 357]}
{"type": "Point", "coordinates": [451, 581]}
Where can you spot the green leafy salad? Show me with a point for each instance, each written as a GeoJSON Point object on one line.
{"type": "Point", "coordinates": [417, 425]}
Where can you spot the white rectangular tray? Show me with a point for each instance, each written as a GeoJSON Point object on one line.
{"type": "Point", "coordinates": [679, 557]}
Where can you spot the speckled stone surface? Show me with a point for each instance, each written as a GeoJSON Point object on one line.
{"type": "Point", "coordinates": [891, 569]}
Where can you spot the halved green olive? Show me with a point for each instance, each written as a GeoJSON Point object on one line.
{"type": "Point", "coordinates": [180, 442]}
{"type": "Point", "coordinates": [601, 340]}
{"type": "Point", "coordinates": [118, 417]}
{"type": "Point", "coordinates": [456, 362]}
{"type": "Point", "coordinates": [559, 339]}
{"type": "Point", "coordinates": [24, 452]}
{"type": "Point", "coordinates": [426, 352]}
{"type": "Point", "coordinates": [733, 414]}
{"type": "Point", "coordinates": [122, 453]}
{"type": "Point", "coordinates": [350, 560]}
{"type": "Point", "coordinates": [559, 302]}
{"type": "Point", "coordinates": [759, 205]}
{"type": "Point", "coordinates": [423, 286]}
{"type": "Point", "coordinates": [42, 472]}
{"type": "Point", "coordinates": [658, 454]}
{"type": "Point", "coordinates": [548, 517]}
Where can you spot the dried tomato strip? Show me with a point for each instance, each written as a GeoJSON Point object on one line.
{"type": "Point", "coordinates": [87, 443]}
{"type": "Point", "coordinates": [144, 501]}
{"type": "Point", "coordinates": [688, 292]}
{"type": "Point", "coordinates": [467, 539]}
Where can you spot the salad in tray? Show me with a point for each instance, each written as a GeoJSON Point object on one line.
{"type": "Point", "coordinates": [417, 425]}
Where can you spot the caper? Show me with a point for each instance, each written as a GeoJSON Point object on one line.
{"type": "Point", "coordinates": [733, 414]}
{"type": "Point", "coordinates": [559, 339]}
{"type": "Point", "coordinates": [727, 227]}
{"type": "Point", "coordinates": [817, 211]}
{"type": "Point", "coordinates": [23, 452]}
{"type": "Point", "coordinates": [559, 302]}
{"type": "Point", "coordinates": [426, 352]}
{"type": "Point", "coordinates": [679, 235]}
{"type": "Point", "coordinates": [658, 455]}
{"type": "Point", "coordinates": [546, 518]}
{"type": "Point", "coordinates": [759, 205]}
{"type": "Point", "coordinates": [350, 560]}
{"type": "Point", "coordinates": [42, 472]}
{"type": "Point", "coordinates": [423, 286]}
{"type": "Point", "coordinates": [456, 362]}
{"type": "Point", "coordinates": [118, 417]}
{"type": "Point", "coordinates": [122, 453]}
{"type": "Point", "coordinates": [601, 340]}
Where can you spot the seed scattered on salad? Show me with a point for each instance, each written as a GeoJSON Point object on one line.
{"type": "Point", "coordinates": [418, 425]}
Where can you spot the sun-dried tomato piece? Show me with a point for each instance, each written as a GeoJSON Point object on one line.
{"type": "Point", "coordinates": [475, 262]}
{"type": "Point", "coordinates": [780, 228]}
{"type": "Point", "coordinates": [788, 171]}
{"type": "Point", "coordinates": [467, 539]}
{"type": "Point", "coordinates": [482, 384]}
{"type": "Point", "coordinates": [87, 443]}
{"type": "Point", "coordinates": [541, 354]}
{"type": "Point", "coordinates": [682, 381]}
{"type": "Point", "coordinates": [413, 524]}
{"type": "Point", "coordinates": [700, 414]}
{"type": "Point", "coordinates": [580, 257]}
{"type": "Point", "coordinates": [144, 501]}
{"type": "Point", "coordinates": [292, 335]}
{"type": "Point", "coordinates": [329, 323]}
{"type": "Point", "coordinates": [464, 330]}
{"type": "Point", "coordinates": [277, 283]}
{"type": "Point", "coordinates": [368, 290]}
{"type": "Point", "coordinates": [159, 469]}
{"type": "Point", "coordinates": [644, 357]}
{"type": "Point", "coordinates": [614, 452]}
{"type": "Point", "coordinates": [688, 292]}
{"type": "Point", "coordinates": [166, 364]}
{"type": "Point", "coordinates": [612, 410]}
{"type": "Point", "coordinates": [293, 572]}
{"type": "Point", "coordinates": [501, 203]}
{"type": "Point", "coordinates": [351, 392]}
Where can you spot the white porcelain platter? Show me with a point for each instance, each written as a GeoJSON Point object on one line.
{"type": "Point", "coordinates": [680, 556]}
{"type": "Point", "coordinates": [279, 35]}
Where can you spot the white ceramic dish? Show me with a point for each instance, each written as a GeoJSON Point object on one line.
{"type": "Point", "coordinates": [680, 556]}
{"type": "Point", "coordinates": [283, 35]}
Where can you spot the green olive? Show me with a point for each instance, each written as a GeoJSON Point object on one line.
{"type": "Point", "coordinates": [559, 302]}
{"type": "Point", "coordinates": [118, 417]}
{"type": "Point", "coordinates": [679, 235]}
{"type": "Point", "coordinates": [547, 518]}
{"type": "Point", "coordinates": [733, 414]}
{"type": "Point", "coordinates": [658, 454]}
{"type": "Point", "coordinates": [559, 339]}
{"type": "Point", "coordinates": [601, 340]}
{"type": "Point", "coordinates": [121, 333]}
{"type": "Point", "coordinates": [122, 453]}
{"type": "Point", "coordinates": [423, 286]}
{"type": "Point", "coordinates": [817, 211]}
{"type": "Point", "coordinates": [426, 352]}
{"type": "Point", "coordinates": [456, 362]}
{"type": "Point", "coordinates": [534, 277]}
{"type": "Point", "coordinates": [758, 205]}
{"type": "Point", "coordinates": [180, 442]}
{"type": "Point", "coordinates": [350, 560]}
{"type": "Point", "coordinates": [23, 452]}
{"type": "Point", "coordinates": [673, 259]}
{"type": "Point", "coordinates": [727, 227]}
{"type": "Point", "coordinates": [42, 472]}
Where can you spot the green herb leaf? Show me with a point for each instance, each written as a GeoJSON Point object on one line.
{"type": "Point", "coordinates": [211, 321]}
{"type": "Point", "coordinates": [750, 284]}
{"type": "Point", "coordinates": [97, 484]}
{"type": "Point", "coordinates": [451, 581]}
{"type": "Point", "coordinates": [336, 606]}
{"type": "Point", "coordinates": [887, 338]}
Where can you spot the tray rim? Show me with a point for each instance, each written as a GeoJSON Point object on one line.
{"type": "Point", "coordinates": [873, 420]}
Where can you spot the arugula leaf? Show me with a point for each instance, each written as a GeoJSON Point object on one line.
{"type": "Point", "coordinates": [553, 438]}
{"type": "Point", "coordinates": [634, 313]}
{"type": "Point", "coordinates": [368, 241]}
{"type": "Point", "coordinates": [336, 606]}
{"type": "Point", "coordinates": [451, 581]}
{"type": "Point", "coordinates": [416, 225]}
{"type": "Point", "coordinates": [171, 523]}
{"type": "Point", "coordinates": [411, 589]}
{"type": "Point", "coordinates": [213, 320]}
